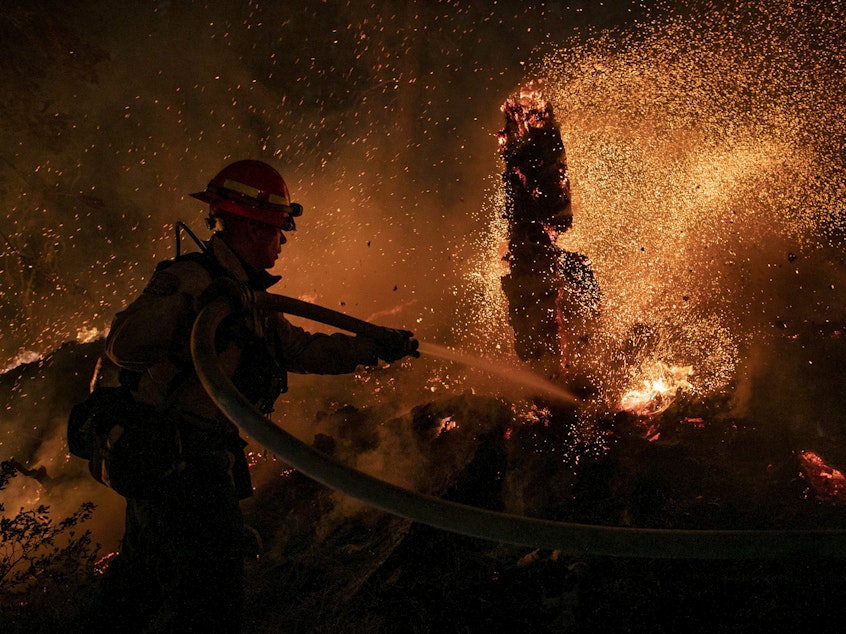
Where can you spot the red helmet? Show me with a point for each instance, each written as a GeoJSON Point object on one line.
{"type": "Point", "coordinates": [252, 189]}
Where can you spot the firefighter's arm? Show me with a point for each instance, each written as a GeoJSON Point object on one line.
{"type": "Point", "coordinates": [339, 353]}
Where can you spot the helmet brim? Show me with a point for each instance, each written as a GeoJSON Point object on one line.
{"type": "Point", "coordinates": [274, 217]}
{"type": "Point", "coordinates": [206, 197]}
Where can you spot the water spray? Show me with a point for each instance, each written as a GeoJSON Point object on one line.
{"type": "Point", "coordinates": [512, 374]}
{"type": "Point", "coordinates": [467, 520]}
{"type": "Point", "coordinates": [346, 322]}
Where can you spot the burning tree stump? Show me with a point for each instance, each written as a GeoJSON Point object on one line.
{"type": "Point", "coordinates": [547, 287]}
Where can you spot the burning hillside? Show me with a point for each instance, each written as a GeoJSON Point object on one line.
{"type": "Point", "coordinates": [326, 559]}
{"type": "Point", "coordinates": [699, 206]}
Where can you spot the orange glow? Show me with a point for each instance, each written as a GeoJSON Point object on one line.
{"type": "Point", "coordinates": [102, 564]}
{"type": "Point", "coordinates": [827, 483]}
{"type": "Point", "coordinates": [84, 334]}
{"type": "Point", "coordinates": [657, 389]}
{"type": "Point", "coordinates": [446, 424]}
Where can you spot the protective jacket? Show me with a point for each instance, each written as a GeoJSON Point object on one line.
{"type": "Point", "coordinates": [150, 340]}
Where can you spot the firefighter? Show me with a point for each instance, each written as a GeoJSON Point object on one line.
{"type": "Point", "coordinates": [180, 568]}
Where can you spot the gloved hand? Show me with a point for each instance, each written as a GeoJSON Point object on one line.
{"type": "Point", "coordinates": [392, 345]}
{"type": "Point", "coordinates": [240, 295]}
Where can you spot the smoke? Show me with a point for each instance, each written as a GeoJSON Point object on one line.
{"type": "Point", "coordinates": [704, 149]}
{"type": "Point", "coordinates": [35, 400]}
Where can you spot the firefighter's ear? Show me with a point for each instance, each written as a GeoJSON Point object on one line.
{"type": "Point", "coordinates": [214, 222]}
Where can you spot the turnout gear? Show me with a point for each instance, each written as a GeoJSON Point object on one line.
{"type": "Point", "coordinates": [252, 189]}
{"type": "Point", "coordinates": [131, 447]}
{"type": "Point", "coordinates": [182, 549]}
{"type": "Point", "coordinates": [151, 337]}
{"type": "Point", "coordinates": [240, 295]}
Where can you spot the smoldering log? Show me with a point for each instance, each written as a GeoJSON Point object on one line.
{"type": "Point", "coordinates": [546, 285]}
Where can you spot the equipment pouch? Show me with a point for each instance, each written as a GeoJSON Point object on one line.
{"type": "Point", "coordinates": [131, 447]}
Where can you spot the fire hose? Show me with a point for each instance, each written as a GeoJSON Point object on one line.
{"type": "Point", "coordinates": [573, 538]}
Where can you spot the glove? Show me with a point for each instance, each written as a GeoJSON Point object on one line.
{"type": "Point", "coordinates": [392, 345]}
{"type": "Point", "coordinates": [240, 295]}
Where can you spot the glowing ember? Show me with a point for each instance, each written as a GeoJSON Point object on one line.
{"type": "Point", "coordinates": [102, 564]}
{"type": "Point", "coordinates": [658, 390]}
{"type": "Point", "coordinates": [446, 424]}
{"type": "Point", "coordinates": [827, 483]}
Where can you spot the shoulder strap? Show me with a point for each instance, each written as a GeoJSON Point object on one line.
{"type": "Point", "coordinates": [204, 258]}
{"type": "Point", "coordinates": [180, 227]}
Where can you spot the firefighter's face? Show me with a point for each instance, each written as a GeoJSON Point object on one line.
{"type": "Point", "coordinates": [267, 243]}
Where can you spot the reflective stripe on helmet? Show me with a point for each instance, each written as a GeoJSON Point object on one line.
{"type": "Point", "coordinates": [254, 192]}
{"type": "Point", "coordinates": [252, 189]}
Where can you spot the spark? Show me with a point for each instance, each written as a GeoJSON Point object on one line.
{"type": "Point", "coordinates": [683, 198]}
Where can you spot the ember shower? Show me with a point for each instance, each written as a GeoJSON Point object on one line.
{"type": "Point", "coordinates": [705, 154]}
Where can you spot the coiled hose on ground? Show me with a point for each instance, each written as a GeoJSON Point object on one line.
{"type": "Point", "coordinates": [581, 539]}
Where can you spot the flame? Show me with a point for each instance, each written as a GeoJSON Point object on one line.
{"type": "Point", "coordinates": [85, 334]}
{"type": "Point", "coordinates": [22, 358]}
{"type": "Point", "coordinates": [657, 390]}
